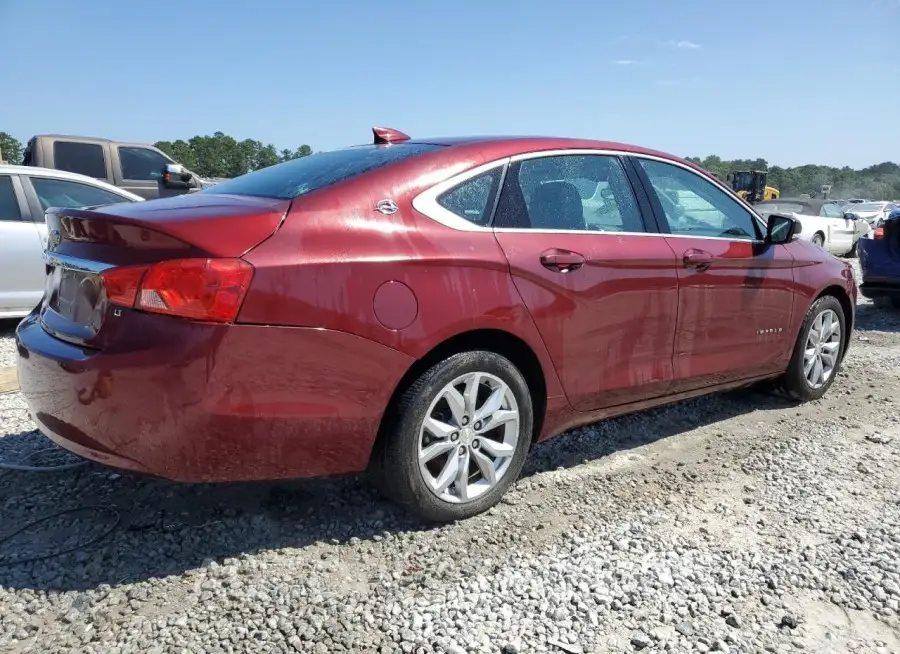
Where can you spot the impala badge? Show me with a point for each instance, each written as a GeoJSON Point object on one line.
{"type": "Point", "coordinates": [53, 240]}
{"type": "Point", "coordinates": [387, 207]}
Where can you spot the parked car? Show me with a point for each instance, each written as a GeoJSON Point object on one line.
{"type": "Point", "coordinates": [822, 222]}
{"type": "Point", "coordinates": [879, 259]}
{"type": "Point", "coordinates": [874, 213]}
{"type": "Point", "coordinates": [138, 168]}
{"type": "Point", "coordinates": [425, 310]}
{"type": "Point", "coordinates": [25, 194]}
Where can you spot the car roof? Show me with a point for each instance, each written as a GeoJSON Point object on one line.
{"type": "Point", "coordinates": [34, 171]}
{"type": "Point", "coordinates": [492, 147]}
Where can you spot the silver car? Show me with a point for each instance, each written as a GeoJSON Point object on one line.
{"type": "Point", "coordinates": [25, 194]}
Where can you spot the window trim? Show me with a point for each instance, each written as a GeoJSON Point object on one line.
{"type": "Point", "coordinates": [660, 213]}
{"type": "Point", "coordinates": [426, 201]}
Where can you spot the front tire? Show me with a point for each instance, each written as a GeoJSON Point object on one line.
{"type": "Point", "coordinates": [457, 438]}
{"type": "Point", "coordinates": [818, 351]}
{"type": "Point", "coordinates": [819, 239]}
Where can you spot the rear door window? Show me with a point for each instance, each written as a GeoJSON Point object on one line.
{"type": "Point", "coordinates": [9, 203]}
{"type": "Point", "coordinates": [298, 177]}
{"type": "Point", "coordinates": [569, 193]}
{"type": "Point", "coordinates": [82, 158]}
{"type": "Point", "coordinates": [72, 195]}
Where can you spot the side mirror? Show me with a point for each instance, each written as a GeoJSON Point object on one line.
{"type": "Point", "coordinates": [177, 176]}
{"type": "Point", "coordinates": [781, 229]}
{"type": "Point", "coordinates": [850, 216]}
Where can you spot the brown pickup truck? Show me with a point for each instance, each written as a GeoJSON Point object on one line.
{"type": "Point", "coordinates": [136, 167]}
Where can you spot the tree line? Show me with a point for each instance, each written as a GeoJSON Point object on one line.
{"type": "Point", "coordinates": [221, 155]}
{"type": "Point", "coordinates": [878, 182]}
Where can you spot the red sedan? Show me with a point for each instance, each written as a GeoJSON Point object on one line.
{"type": "Point", "coordinates": [425, 310]}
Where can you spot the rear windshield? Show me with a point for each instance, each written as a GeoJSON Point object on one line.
{"type": "Point", "coordinates": [298, 177]}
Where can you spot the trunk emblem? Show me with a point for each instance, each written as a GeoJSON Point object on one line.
{"type": "Point", "coordinates": [53, 240]}
{"type": "Point", "coordinates": [387, 207]}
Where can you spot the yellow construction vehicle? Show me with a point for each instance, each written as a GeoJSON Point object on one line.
{"type": "Point", "coordinates": [751, 186]}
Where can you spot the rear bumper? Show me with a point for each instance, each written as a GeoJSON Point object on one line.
{"type": "Point", "coordinates": [193, 402]}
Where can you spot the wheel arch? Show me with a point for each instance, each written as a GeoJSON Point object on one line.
{"type": "Point", "coordinates": [839, 293]}
{"type": "Point", "coordinates": [498, 341]}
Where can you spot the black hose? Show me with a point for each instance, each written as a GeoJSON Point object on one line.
{"type": "Point", "coordinates": [42, 557]}
{"type": "Point", "coordinates": [23, 468]}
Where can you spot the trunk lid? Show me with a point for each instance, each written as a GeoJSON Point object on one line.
{"type": "Point", "coordinates": [83, 243]}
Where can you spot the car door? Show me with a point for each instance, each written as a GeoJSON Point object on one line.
{"type": "Point", "coordinates": [842, 230]}
{"type": "Point", "coordinates": [602, 291]}
{"type": "Point", "coordinates": [735, 292]}
{"type": "Point", "coordinates": [21, 265]}
{"type": "Point", "coordinates": [140, 170]}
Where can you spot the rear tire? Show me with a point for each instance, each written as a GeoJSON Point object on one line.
{"type": "Point", "coordinates": [438, 455]}
{"type": "Point", "coordinates": [818, 351]}
{"type": "Point", "coordinates": [854, 251]}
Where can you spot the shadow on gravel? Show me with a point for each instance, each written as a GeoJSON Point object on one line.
{"type": "Point", "coordinates": [8, 327]}
{"type": "Point", "coordinates": [166, 528]}
{"type": "Point", "coordinates": [870, 318]}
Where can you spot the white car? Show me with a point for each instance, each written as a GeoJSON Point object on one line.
{"type": "Point", "coordinates": [822, 222]}
{"type": "Point", "coordinates": [25, 194]}
{"type": "Point", "coordinates": [873, 213]}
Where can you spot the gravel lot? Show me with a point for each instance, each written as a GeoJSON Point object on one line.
{"type": "Point", "coordinates": [734, 523]}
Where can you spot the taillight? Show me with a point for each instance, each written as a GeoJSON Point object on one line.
{"type": "Point", "coordinates": [198, 289]}
{"type": "Point", "coordinates": [122, 284]}
{"type": "Point", "coordinates": [879, 232]}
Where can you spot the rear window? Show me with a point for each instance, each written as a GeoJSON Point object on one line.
{"type": "Point", "coordinates": [82, 158]}
{"type": "Point", "coordinates": [298, 177]}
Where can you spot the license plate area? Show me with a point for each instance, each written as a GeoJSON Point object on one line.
{"type": "Point", "coordinates": [74, 303]}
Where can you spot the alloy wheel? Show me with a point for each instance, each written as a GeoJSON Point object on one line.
{"type": "Point", "coordinates": [823, 345]}
{"type": "Point", "coordinates": [469, 437]}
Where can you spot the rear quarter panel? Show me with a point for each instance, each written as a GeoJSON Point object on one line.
{"type": "Point", "coordinates": [335, 258]}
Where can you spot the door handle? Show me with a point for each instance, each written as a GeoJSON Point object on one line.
{"type": "Point", "coordinates": [700, 259]}
{"type": "Point", "coordinates": [561, 261]}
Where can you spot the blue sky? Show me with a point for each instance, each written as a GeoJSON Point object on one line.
{"type": "Point", "coordinates": [793, 81]}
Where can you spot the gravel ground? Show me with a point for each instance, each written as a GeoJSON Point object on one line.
{"type": "Point", "coordinates": [735, 523]}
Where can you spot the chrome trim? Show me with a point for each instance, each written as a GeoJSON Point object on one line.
{"type": "Point", "coordinates": [566, 152]}
{"type": "Point", "coordinates": [426, 202]}
{"type": "Point", "coordinates": [598, 232]}
{"type": "Point", "coordinates": [75, 263]}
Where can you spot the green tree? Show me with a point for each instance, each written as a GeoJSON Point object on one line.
{"type": "Point", "coordinates": [10, 149]}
